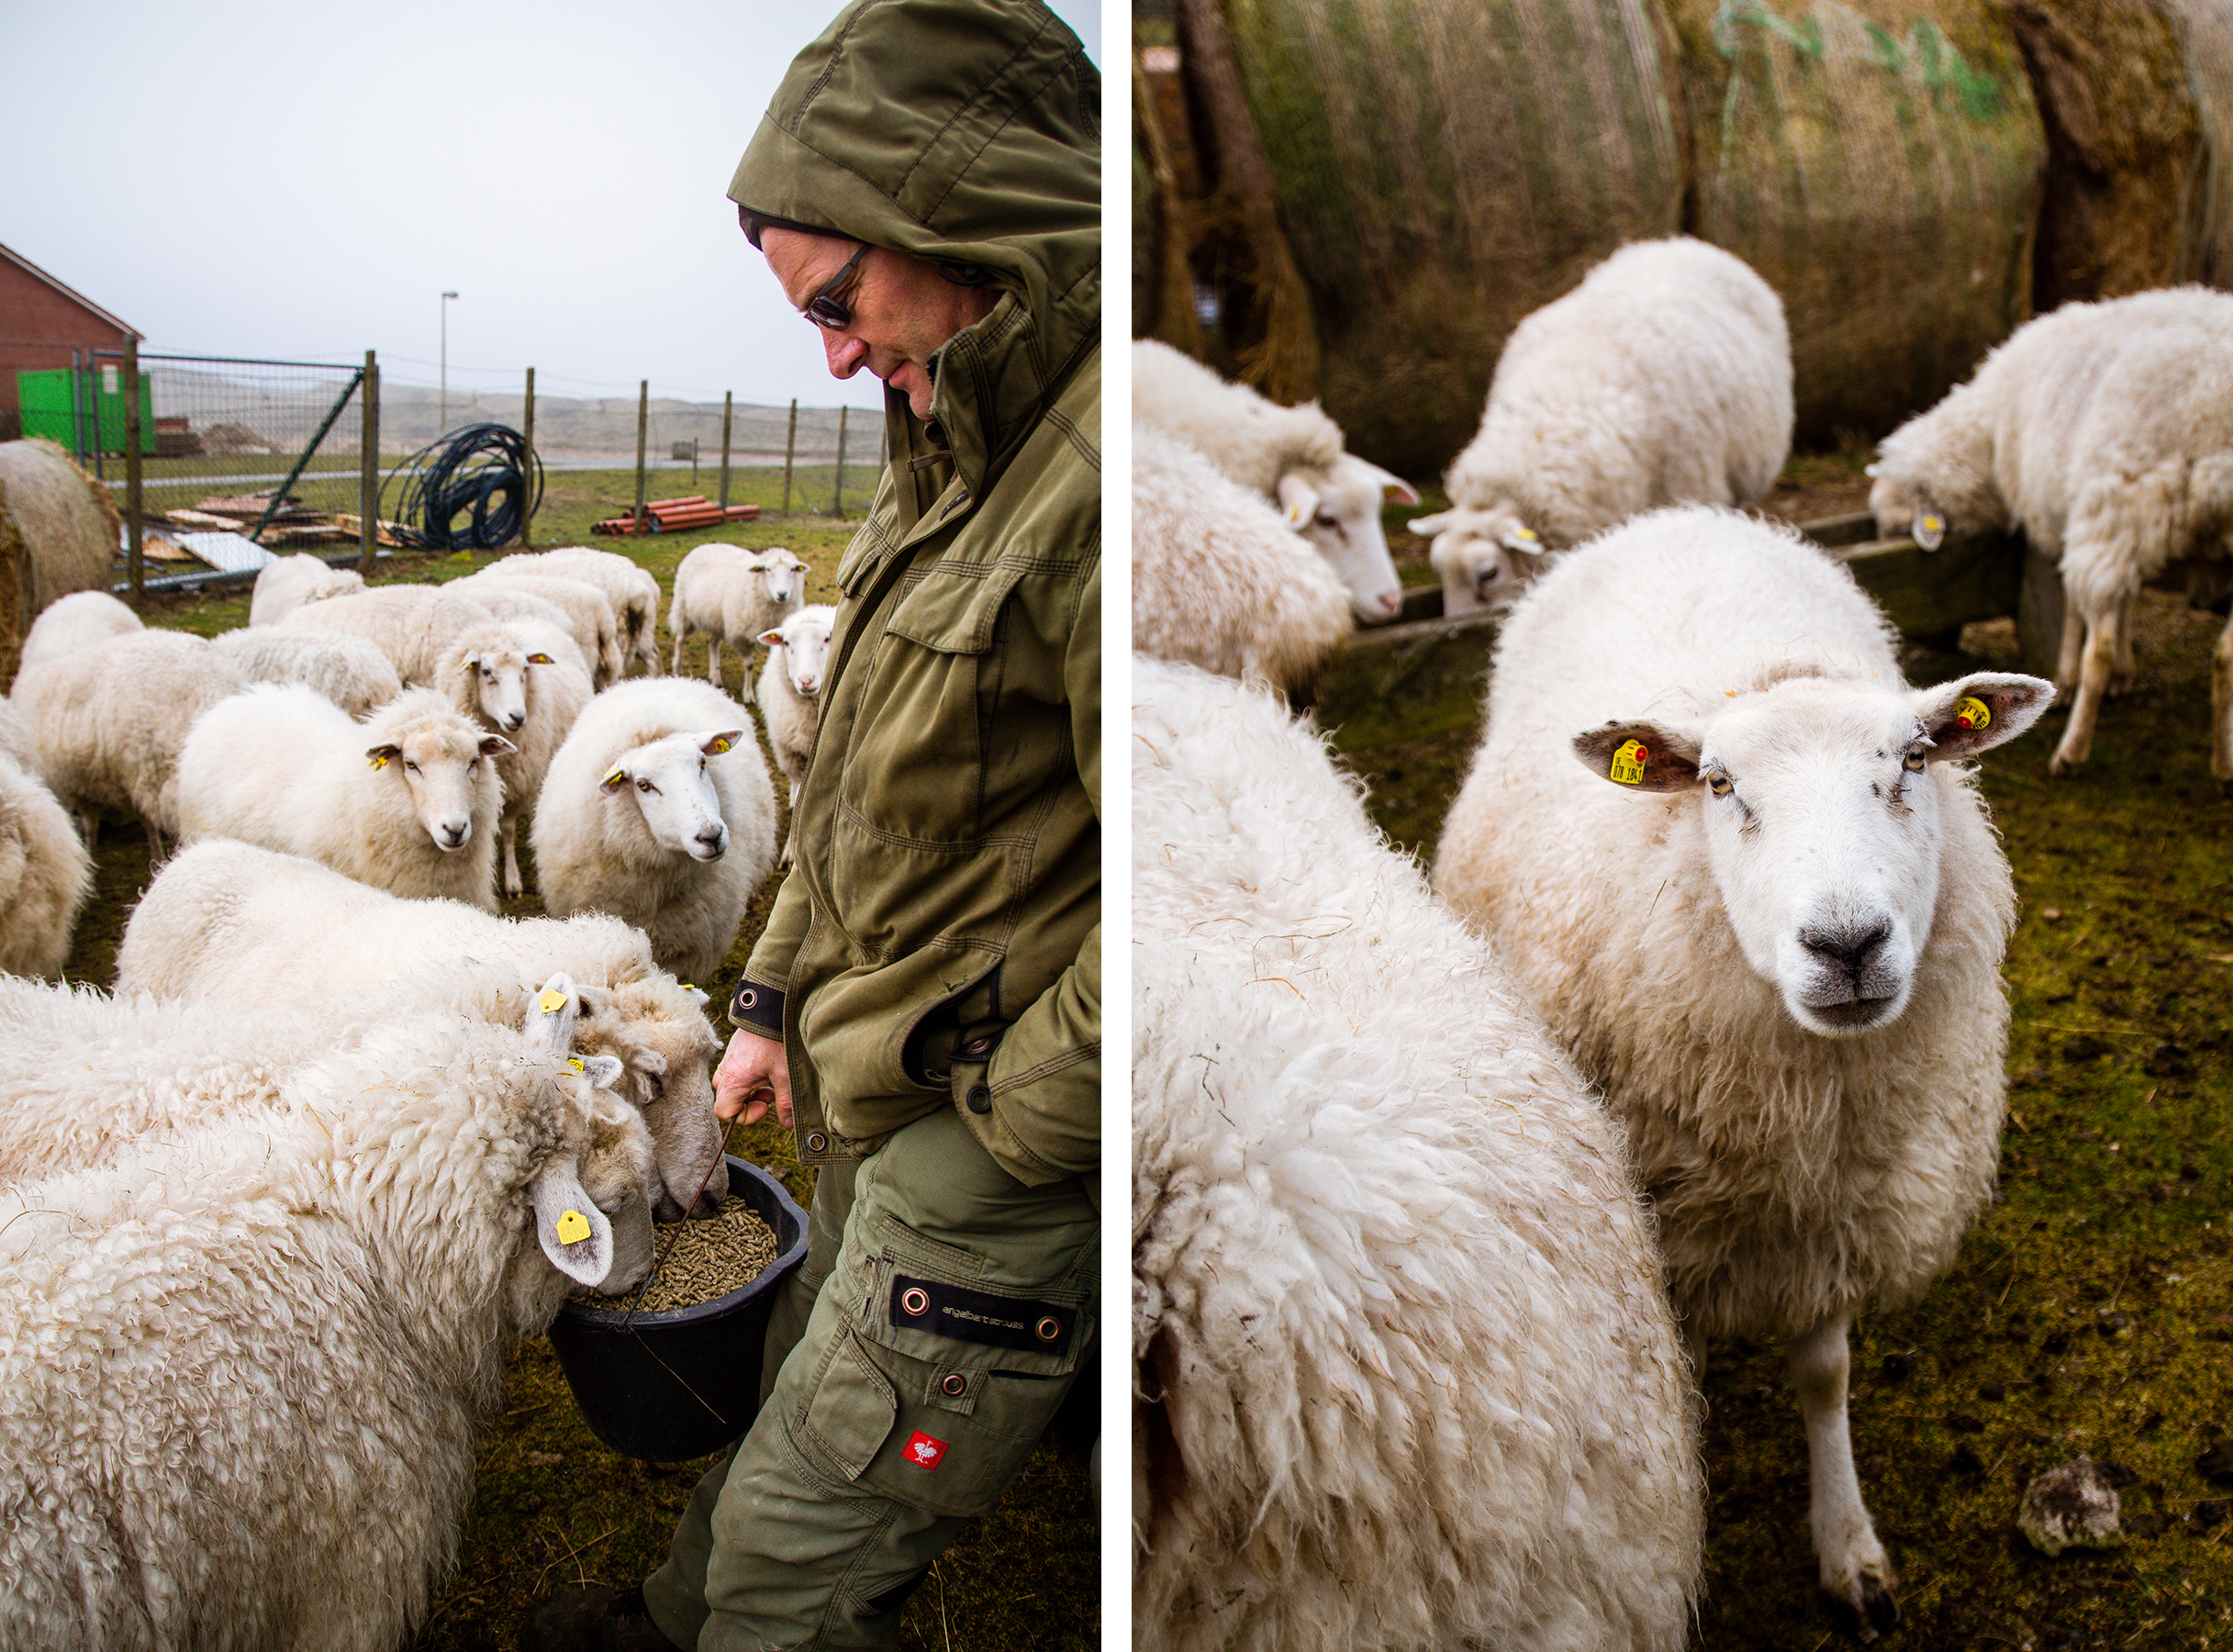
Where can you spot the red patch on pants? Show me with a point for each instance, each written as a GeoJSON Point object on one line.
{"type": "Point", "coordinates": [923, 1451]}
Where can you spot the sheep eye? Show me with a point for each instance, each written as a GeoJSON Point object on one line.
{"type": "Point", "coordinates": [1719, 785]}
{"type": "Point", "coordinates": [1325, 520]}
{"type": "Point", "coordinates": [643, 786]}
{"type": "Point", "coordinates": [1913, 762]}
{"type": "Point", "coordinates": [408, 764]}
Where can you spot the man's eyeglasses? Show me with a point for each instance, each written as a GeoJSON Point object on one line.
{"type": "Point", "coordinates": [826, 308]}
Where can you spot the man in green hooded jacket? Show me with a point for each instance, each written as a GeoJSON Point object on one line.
{"type": "Point", "coordinates": [924, 1006]}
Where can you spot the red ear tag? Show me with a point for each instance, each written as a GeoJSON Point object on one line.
{"type": "Point", "coordinates": [1973, 713]}
{"type": "Point", "coordinates": [923, 1451]}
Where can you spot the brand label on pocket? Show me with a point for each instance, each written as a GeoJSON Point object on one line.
{"type": "Point", "coordinates": [923, 1451]}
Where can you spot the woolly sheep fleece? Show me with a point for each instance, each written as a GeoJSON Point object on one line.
{"type": "Point", "coordinates": [413, 624]}
{"type": "Point", "coordinates": [594, 852]}
{"type": "Point", "coordinates": [241, 1403]}
{"type": "Point", "coordinates": [79, 621]}
{"type": "Point", "coordinates": [45, 875]}
{"type": "Point", "coordinates": [1794, 1175]}
{"type": "Point", "coordinates": [1219, 580]}
{"type": "Point", "coordinates": [352, 672]}
{"type": "Point", "coordinates": [288, 583]}
{"type": "Point", "coordinates": [634, 591]}
{"type": "Point", "coordinates": [1404, 1374]}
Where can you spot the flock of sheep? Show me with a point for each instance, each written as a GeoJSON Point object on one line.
{"type": "Point", "coordinates": [273, 1215]}
{"type": "Point", "coordinates": [1442, 1181]}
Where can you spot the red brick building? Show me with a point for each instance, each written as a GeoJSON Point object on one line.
{"type": "Point", "coordinates": [41, 322]}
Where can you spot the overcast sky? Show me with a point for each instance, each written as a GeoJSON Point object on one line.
{"type": "Point", "coordinates": [300, 181]}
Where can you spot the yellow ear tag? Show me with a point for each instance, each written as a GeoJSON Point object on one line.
{"type": "Point", "coordinates": [573, 1227]}
{"type": "Point", "coordinates": [1528, 533]}
{"type": "Point", "coordinates": [1931, 524]}
{"type": "Point", "coordinates": [614, 778]}
{"type": "Point", "coordinates": [539, 659]}
{"type": "Point", "coordinates": [552, 1001]}
{"type": "Point", "coordinates": [574, 1064]}
{"type": "Point", "coordinates": [1629, 761]}
{"type": "Point", "coordinates": [1973, 713]}
{"type": "Point", "coordinates": [688, 986]}
{"type": "Point", "coordinates": [379, 762]}
{"type": "Point", "coordinates": [720, 746]}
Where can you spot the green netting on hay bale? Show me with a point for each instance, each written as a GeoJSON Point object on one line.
{"type": "Point", "coordinates": [2209, 61]}
{"type": "Point", "coordinates": [2124, 205]}
{"type": "Point", "coordinates": [58, 531]}
{"type": "Point", "coordinates": [1879, 164]}
{"type": "Point", "coordinates": [1443, 167]}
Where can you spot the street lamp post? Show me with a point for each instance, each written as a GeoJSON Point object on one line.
{"type": "Point", "coordinates": [445, 422]}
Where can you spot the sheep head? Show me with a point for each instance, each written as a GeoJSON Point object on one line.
{"type": "Point", "coordinates": [672, 788]}
{"type": "Point", "coordinates": [1819, 801]}
{"type": "Point", "coordinates": [1338, 510]}
{"type": "Point", "coordinates": [1483, 556]}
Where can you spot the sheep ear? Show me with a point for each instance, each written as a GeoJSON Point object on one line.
{"type": "Point", "coordinates": [715, 744]}
{"type": "Point", "coordinates": [1868, 471]}
{"type": "Point", "coordinates": [614, 781]}
{"type": "Point", "coordinates": [380, 756]}
{"type": "Point", "coordinates": [540, 659]}
{"type": "Point", "coordinates": [1426, 527]}
{"type": "Point", "coordinates": [1927, 526]}
{"type": "Point", "coordinates": [1980, 711]}
{"type": "Point", "coordinates": [496, 745]}
{"type": "Point", "coordinates": [1394, 489]}
{"type": "Point", "coordinates": [773, 639]}
{"type": "Point", "coordinates": [1299, 499]}
{"type": "Point", "coordinates": [472, 662]}
{"type": "Point", "coordinates": [602, 1071]}
{"type": "Point", "coordinates": [1641, 756]}
{"type": "Point", "coordinates": [550, 1024]}
{"type": "Point", "coordinates": [573, 1232]}
{"type": "Point", "coordinates": [1522, 538]}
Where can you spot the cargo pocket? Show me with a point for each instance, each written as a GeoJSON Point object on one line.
{"type": "Point", "coordinates": [939, 1384]}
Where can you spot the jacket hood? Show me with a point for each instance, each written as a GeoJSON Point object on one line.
{"type": "Point", "coordinates": [959, 129]}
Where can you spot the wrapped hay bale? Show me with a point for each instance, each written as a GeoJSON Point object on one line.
{"type": "Point", "coordinates": [59, 532]}
{"type": "Point", "coordinates": [1443, 167]}
{"type": "Point", "coordinates": [1162, 288]}
{"type": "Point", "coordinates": [1881, 170]}
{"type": "Point", "coordinates": [2125, 154]}
{"type": "Point", "coordinates": [2209, 63]}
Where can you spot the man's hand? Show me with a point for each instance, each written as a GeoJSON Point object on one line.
{"type": "Point", "coordinates": [753, 1070]}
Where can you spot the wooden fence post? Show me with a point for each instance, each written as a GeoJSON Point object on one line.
{"type": "Point", "coordinates": [727, 399]}
{"type": "Point", "coordinates": [643, 420]}
{"type": "Point", "coordinates": [837, 492]}
{"type": "Point", "coordinates": [527, 464]}
{"type": "Point", "coordinates": [368, 468]}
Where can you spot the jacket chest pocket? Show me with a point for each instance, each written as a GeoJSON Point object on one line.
{"type": "Point", "coordinates": [915, 769]}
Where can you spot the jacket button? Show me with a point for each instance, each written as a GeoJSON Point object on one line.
{"type": "Point", "coordinates": [1048, 1329]}
{"type": "Point", "coordinates": [816, 1142]}
{"type": "Point", "coordinates": [979, 1098]}
{"type": "Point", "coordinates": [955, 1386]}
{"type": "Point", "coordinates": [915, 1300]}
{"type": "Point", "coordinates": [976, 1046]}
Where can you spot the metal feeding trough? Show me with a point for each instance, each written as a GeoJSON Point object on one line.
{"type": "Point", "coordinates": [666, 1386]}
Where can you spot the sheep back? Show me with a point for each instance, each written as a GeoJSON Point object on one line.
{"type": "Point", "coordinates": [80, 619]}
{"type": "Point", "coordinates": [414, 625]}
{"type": "Point", "coordinates": [45, 875]}
{"type": "Point", "coordinates": [1247, 437]}
{"type": "Point", "coordinates": [292, 582]}
{"type": "Point", "coordinates": [350, 671]}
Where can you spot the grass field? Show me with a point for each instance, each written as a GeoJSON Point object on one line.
{"type": "Point", "coordinates": [2091, 1309]}
{"type": "Point", "coordinates": [552, 1507]}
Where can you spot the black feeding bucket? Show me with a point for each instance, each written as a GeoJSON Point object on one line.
{"type": "Point", "coordinates": [666, 1386]}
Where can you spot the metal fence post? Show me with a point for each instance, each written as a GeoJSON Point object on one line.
{"type": "Point", "coordinates": [368, 468]}
{"type": "Point", "coordinates": [728, 400]}
{"type": "Point", "coordinates": [644, 419]}
{"type": "Point", "coordinates": [527, 462]}
{"type": "Point", "coordinates": [77, 416]}
{"type": "Point", "coordinates": [837, 493]}
{"type": "Point", "coordinates": [132, 517]}
{"type": "Point", "coordinates": [790, 443]}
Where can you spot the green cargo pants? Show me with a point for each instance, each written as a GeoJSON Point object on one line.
{"type": "Point", "coordinates": [928, 1338]}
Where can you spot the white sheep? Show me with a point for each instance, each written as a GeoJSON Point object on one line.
{"type": "Point", "coordinates": [352, 672]}
{"type": "Point", "coordinates": [80, 619]}
{"type": "Point", "coordinates": [1781, 964]}
{"type": "Point", "coordinates": [406, 800]}
{"type": "Point", "coordinates": [413, 624]}
{"type": "Point", "coordinates": [2104, 432]}
{"type": "Point", "coordinates": [45, 875]}
{"type": "Point", "coordinates": [288, 583]}
{"type": "Point", "coordinates": [1218, 581]}
{"type": "Point", "coordinates": [658, 809]}
{"type": "Point", "coordinates": [632, 590]}
{"type": "Point", "coordinates": [109, 722]}
{"type": "Point", "coordinates": [732, 596]}
{"type": "Point", "coordinates": [529, 695]}
{"type": "Point", "coordinates": [588, 612]}
{"type": "Point", "coordinates": [1404, 1374]}
{"type": "Point", "coordinates": [790, 697]}
{"type": "Point", "coordinates": [16, 741]}
{"type": "Point", "coordinates": [231, 923]}
{"type": "Point", "coordinates": [238, 1351]}
{"type": "Point", "coordinates": [1292, 456]}
{"type": "Point", "coordinates": [1664, 378]}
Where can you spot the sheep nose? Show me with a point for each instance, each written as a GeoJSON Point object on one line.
{"type": "Point", "coordinates": [809, 685]}
{"type": "Point", "coordinates": [1391, 602]}
{"type": "Point", "coordinates": [1851, 950]}
{"type": "Point", "coordinates": [453, 834]}
{"type": "Point", "coordinates": [512, 722]}
{"type": "Point", "coordinates": [713, 839]}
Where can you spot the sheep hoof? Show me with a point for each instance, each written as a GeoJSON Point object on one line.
{"type": "Point", "coordinates": [2060, 766]}
{"type": "Point", "coordinates": [1867, 1607]}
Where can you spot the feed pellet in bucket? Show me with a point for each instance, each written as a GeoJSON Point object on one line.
{"type": "Point", "coordinates": [698, 1261]}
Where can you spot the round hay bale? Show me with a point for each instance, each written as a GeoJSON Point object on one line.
{"type": "Point", "coordinates": [1162, 288]}
{"type": "Point", "coordinates": [1443, 167]}
{"type": "Point", "coordinates": [1879, 164]}
{"type": "Point", "coordinates": [59, 532]}
{"type": "Point", "coordinates": [2126, 151]}
{"type": "Point", "coordinates": [2209, 58]}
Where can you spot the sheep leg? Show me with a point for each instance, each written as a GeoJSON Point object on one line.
{"type": "Point", "coordinates": [2221, 712]}
{"type": "Point", "coordinates": [1855, 1574]}
{"type": "Point", "coordinates": [507, 831]}
{"type": "Point", "coordinates": [2121, 678]}
{"type": "Point", "coordinates": [748, 654]}
{"type": "Point", "coordinates": [2100, 646]}
{"type": "Point", "coordinates": [681, 637]}
{"type": "Point", "coordinates": [2074, 642]}
{"type": "Point", "coordinates": [713, 658]}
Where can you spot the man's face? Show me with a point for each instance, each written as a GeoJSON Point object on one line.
{"type": "Point", "coordinates": [903, 310]}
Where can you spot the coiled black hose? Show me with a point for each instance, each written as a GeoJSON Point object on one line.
{"type": "Point", "coordinates": [485, 469]}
